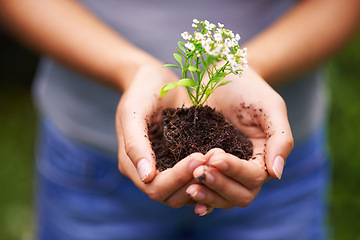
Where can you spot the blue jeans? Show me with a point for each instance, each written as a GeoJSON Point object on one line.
{"type": "Point", "coordinates": [81, 195]}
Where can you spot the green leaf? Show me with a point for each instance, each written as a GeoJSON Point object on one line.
{"type": "Point", "coordinates": [163, 92]}
{"type": "Point", "coordinates": [170, 86]}
{"type": "Point", "coordinates": [187, 82]}
{"type": "Point", "coordinates": [182, 54]}
{"type": "Point", "coordinates": [181, 46]}
{"type": "Point", "coordinates": [178, 58]}
{"type": "Point", "coordinates": [167, 88]}
{"type": "Point", "coordinates": [193, 69]}
{"type": "Point", "coordinates": [223, 83]}
{"type": "Point", "coordinates": [171, 65]}
{"type": "Point", "coordinates": [209, 91]}
{"type": "Point", "coordinates": [217, 77]}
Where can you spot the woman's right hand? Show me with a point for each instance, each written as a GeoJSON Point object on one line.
{"type": "Point", "coordinates": [140, 104]}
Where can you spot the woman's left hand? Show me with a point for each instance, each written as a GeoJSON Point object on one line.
{"type": "Point", "coordinates": [259, 112]}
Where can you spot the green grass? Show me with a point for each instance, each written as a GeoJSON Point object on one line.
{"type": "Point", "coordinates": [17, 134]}
{"type": "Point", "coordinates": [344, 78]}
{"type": "Point", "coordinates": [17, 127]}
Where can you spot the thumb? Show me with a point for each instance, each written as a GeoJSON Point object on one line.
{"type": "Point", "coordinates": [278, 148]}
{"type": "Point", "coordinates": [132, 129]}
{"type": "Point", "coordinates": [279, 142]}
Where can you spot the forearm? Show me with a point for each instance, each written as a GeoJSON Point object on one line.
{"type": "Point", "coordinates": [66, 31]}
{"type": "Point", "coordinates": [303, 38]}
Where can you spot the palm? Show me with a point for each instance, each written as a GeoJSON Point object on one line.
{"type": "Point", "coordinates": [255, 109]}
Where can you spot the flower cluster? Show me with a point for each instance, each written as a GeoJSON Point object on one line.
{"type": "Point", "coordinates": [218, 42]}
{"type": "Point", "coordinates": [212, 51]}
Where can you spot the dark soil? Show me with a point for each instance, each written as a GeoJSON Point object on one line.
{"type": "Point", "coordinates": [187, 130]}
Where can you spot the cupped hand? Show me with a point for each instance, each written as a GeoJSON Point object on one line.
{"type": "Point", "coordinates": [139, 104]}
{"type": "Point", "coordinates": [259, 112]}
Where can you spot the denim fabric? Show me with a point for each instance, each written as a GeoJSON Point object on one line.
{"type": "Point", "coordinates": [81, 195]}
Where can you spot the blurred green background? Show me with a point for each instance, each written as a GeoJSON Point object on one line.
{"type": "Point", "coordinates": [18, 127]}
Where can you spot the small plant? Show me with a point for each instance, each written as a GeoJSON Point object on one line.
{"type": "Point", "coordinates": [212, 50]}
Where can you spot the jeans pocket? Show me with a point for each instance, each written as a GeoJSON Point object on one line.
{"type": "Point", "coordinates": [75, 166]}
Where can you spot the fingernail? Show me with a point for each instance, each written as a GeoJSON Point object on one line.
{"type": "Point", "coordinates": [205, 210]}
{"type": "Point", "coordinates": [195, 194]}
{"type": "Point", "coordinates": [202, 175]}
{"type": "Point", "coordinates": [143, 168]}
{"type": "Point", "coordinates": [209, 177]}
{"type": "Point", "coordinates": [194, 164]}
{"type": "Point", "coordinates": [191, 191]}
{"type": "Point", "coordinates": [278, 166]}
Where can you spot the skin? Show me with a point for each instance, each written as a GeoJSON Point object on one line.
{"type": "Point", "coordinates": [287, 49]}
{"type": "Point", "coordinates": [302, 39]}
{"type": "Point", "coordinates": [230, 181]}
{"type": "Point", "coordinates": [40, 25]}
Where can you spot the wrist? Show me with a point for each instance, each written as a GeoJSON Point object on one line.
{"type": "Point", "coordinates": [125, 73]}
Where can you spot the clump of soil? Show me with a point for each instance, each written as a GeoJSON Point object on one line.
{"type": "Point", "coordinates": [187, 130]}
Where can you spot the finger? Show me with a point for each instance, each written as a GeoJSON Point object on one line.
{"type": "Point", "coordinates": [168, 186]}
{"type": "Point", "coordinates": [168, 182]}
{"type": "Point", "coordinates": [191, 202]}
{"type": "Point", "coordinates": [207, 197]}
{"type": "Point", "coordinates": [134, 110]}
{"type": "Point", "coordinates": [202, 210]}
{"type": "Point", "coordinates": [279, 140]}
{"type": "Point", "coordinates": [250, 174]}
{"type": "Point", "coordinates": [180, 197]}
{"type": "Point", "coordinates": [229, 189]}
{"type": "Point", "coordinates": [132, 127]}
{"type": "Point", "coordinates": [126, 166]}
{"type": "Point", "coordinates": [122, 157]}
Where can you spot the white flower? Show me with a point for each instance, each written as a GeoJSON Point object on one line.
{"type": "Point", "coordinates": [244, 51]}
{"type": "Point", "coordinates": [232, 35]}
{"type": "Point", "coordinates": [190, 46]}
{"type": "Point", "coordinates": [207, 25]}
{"type": "Point", "coordinates": [241, 52]}
{"type": "Point", "coordinates": [230, 43]}
{"type": "Point", "coordinates": [226, 50]}
{"type": "Point", "coordinates": [186, 36]}
{"type": "Point", "coordinates": [219, 30]}
{"type": "Point", "coordinates": [219, 49]}
{"type": "Point", "coordinates": [207, 35]}
{"type": "Point", "coordinates": [198, 36]}
{"type": "Point", "coordinates": [217, 42]}
{"type": "Point", "coordinates": [231, 58]}
{"type": "Point", "coordinates": [217, 36]}
{"type": "Point", "coordinates": [212, 26]}
{"type": "Point", "coordinates": [235, 66]}
{"type": "Point", "coordinates": [206, 42]}
{"type": "Point", "coordinates": [195, 23]}
{"type": "Point", "coordinates": [243, 62]}
{"type": "Point", "coordinates": [234, 42]}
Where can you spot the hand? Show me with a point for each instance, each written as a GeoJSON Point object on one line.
{"type": "Point", "coordinates": [259, 112]}
{"type": "Point", "coordinates": [138, 104]}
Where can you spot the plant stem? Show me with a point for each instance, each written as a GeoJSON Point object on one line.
{"type": "Point", "coordinates": [199, 80]}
